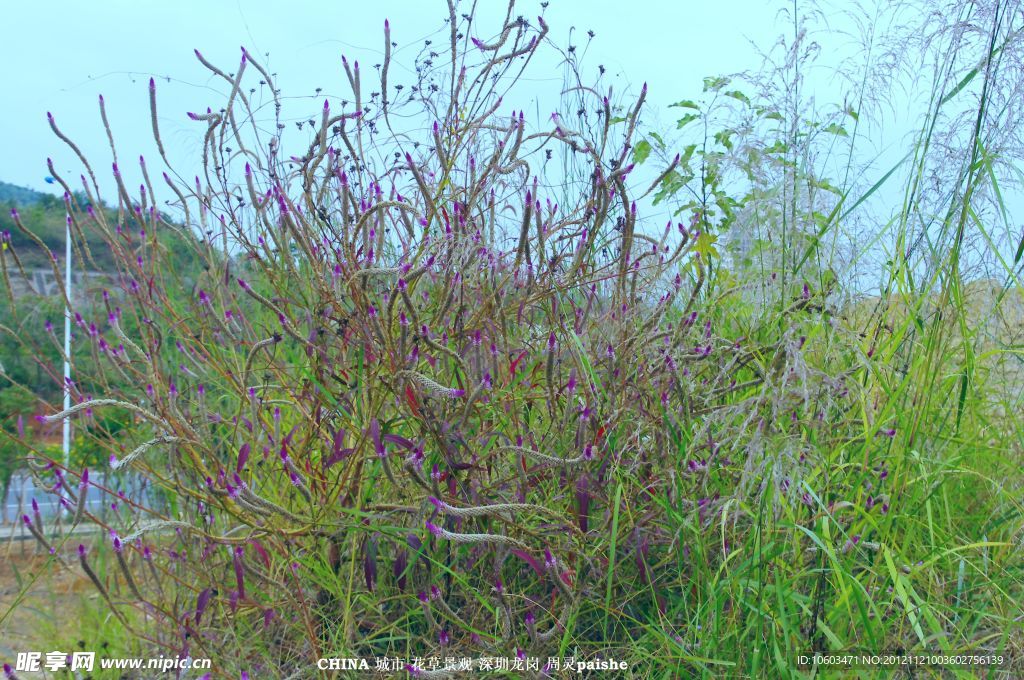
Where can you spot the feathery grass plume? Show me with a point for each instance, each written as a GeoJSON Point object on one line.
{"type": "Point", "coordinates": [474, 538]}
{"type": "Point", "coordinates": [544, 458]}
{"type": "Point", "coordinates": [484, 510]}
{"type": "Point", "coordinates": [430, 387]}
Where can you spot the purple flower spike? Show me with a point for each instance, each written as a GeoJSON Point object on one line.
{"type": "Point", "coordinates": [434, 529]}
{"type": "Point", "coordinates": [201, 602]}
{"type": "Point", "coordinates": [436, 501]}
{"type": "Point", "coordinates": [81, 551]}
{"type": "Point", "coordinates": [378, 445]}
{"type": "Point", "coordinates": [239, 573]}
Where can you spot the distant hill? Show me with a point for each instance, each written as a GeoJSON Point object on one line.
{"type": "Point", "coordinates": [44, 215]}
{"type": "Point", "coordinates": [11, 194]}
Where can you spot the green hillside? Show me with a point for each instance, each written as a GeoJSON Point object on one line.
{"type": "Point", "coordinates": [11, 194]}
{"type": "Point", "coordinates": [45, 216]}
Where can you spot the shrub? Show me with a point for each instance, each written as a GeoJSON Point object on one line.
{"type": "Point", "coordinates": [415, 406]}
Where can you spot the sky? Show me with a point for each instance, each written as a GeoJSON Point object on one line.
{"type": "Point", "coordinates": [63, 54]}
{"type": "Point", "coordinates": [59, 56]}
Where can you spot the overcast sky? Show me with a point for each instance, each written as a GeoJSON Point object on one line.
{"type": "Point", "coordinates": [60, 55]}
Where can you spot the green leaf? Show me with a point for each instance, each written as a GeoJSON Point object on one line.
{"type": "Point", "coordinates": [739, 96]}
{"type": "Point", "coordinates": [715, 84]}
{"type": "Point", "coordinates": [688, 118]}
{"type": "Point", "coordinates": [827, 186]}
{"type": "Point", "coordinates": [836, 130]}
{"type": "Point", "coordinates": [641, 151]}
{"type": "Point", "coordinates": [685, 104]}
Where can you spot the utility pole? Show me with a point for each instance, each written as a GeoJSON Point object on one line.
{"type": "Point", "coordinates": [67, 343]}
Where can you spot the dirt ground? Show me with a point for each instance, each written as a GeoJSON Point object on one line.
{"type": "Point", "coordinates": [51, 599]}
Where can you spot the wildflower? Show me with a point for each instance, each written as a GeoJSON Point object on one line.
{"type": "Point", "coordinates": [549, 560]}
{"type": "Point", "coordinates": [239, 573]}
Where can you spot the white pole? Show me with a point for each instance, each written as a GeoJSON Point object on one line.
{"type": "Point", "coordinates": [67, 343]}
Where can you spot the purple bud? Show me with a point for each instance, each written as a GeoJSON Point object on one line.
{"type": "Point", "coordinates": [239, 573]}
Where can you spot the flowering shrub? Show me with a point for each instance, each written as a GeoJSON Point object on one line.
{"type": "Point", "coordinates": [413, 401]}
